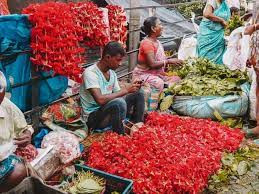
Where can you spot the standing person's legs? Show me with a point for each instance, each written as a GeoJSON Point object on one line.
{"type": "Point", "coordinates": [255, 131]}
{"type": "Point", "coordinates": [112, 113]}
{"type": "Point", "coordinates": [136, 103]}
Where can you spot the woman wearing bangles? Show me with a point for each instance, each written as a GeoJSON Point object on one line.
{"type": "Point", "coordinates": [210, 40]}
{"type": "Point", "coordinates": [151, 58]}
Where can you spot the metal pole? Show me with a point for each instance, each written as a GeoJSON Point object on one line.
{"type": "Point", "coordinates": [35, 99]}
{"type": "Point", "coordinates": [134, 37]}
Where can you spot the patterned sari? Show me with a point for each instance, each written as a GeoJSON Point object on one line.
{"type": "Point", "coordinates": [210, 41]}
{"type": "Point", "coordinates": [156, 78]}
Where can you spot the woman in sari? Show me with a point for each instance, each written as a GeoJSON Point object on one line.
{"type": "Point", "coordinates": [151, 58]}
{"type": "Point", "coordinates": [210, 41]}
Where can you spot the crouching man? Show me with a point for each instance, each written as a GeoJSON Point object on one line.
{"type": "Point", "coordinates": [14, 132]}
{"type": "Point", "coordinates": [103, 102]}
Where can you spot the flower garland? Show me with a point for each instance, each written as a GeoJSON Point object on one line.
{"type": "Point", "coordinates": [90, 19]}
{"type": "Point", "coordinates": [168, 154]}
{"type": "Point", "coordinates": [118, 24]}
{"type": "Point", "coordinates": [59, 28]}
{"type": "Point", "coordinates": [54, 41]}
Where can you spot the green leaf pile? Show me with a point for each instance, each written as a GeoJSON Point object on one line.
{"type": "Point", "coordinates": [234, 22]}
{"type": "Point", "coordinates": [201, 77]}
{"type": "Point", "coordinates": [205, 67]}
{"type": "Point", "coordinates": [166, 102]}
{"type": "Point", "coordinates": [205, 86]}
{"type": "Point", "coordinates": [239, 172]}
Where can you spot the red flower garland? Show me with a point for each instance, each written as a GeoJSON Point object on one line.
{"type": "Point", "coordinates": [168, 154]}
{"type": "Point", "coordinates": [54, 39]}
{"type": "Point", "coordinates": [28, 153]}
{"type": "Point", "coordinates": [118, 24]}
{"type": "Point", "coordinates": [90, 20]}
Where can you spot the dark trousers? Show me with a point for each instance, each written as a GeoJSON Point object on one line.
{"type": "Point", "coordinates": [114, 112]}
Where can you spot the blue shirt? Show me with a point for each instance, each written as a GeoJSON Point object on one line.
{"type": "Point", "coordinates": [94, 78]}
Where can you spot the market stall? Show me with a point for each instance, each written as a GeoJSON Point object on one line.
{"type": "Point", "coordinates": [191, 141]}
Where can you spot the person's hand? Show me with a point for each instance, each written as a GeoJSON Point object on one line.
{"type": "Point", "coordinates": [256, 71]}
{"type": "Point", "coordinates": [224, 23]}
{"type": "Point", "coordinates": [137, 81]}
{"type": "Point", "coordinates": [174, 61]}
{"type": "Point", "coordinates": [23, 139]}
{"type": "Point", "coordinates": [134, 87]}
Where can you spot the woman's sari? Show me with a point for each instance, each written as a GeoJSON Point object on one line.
{"type": "Point", "coordinates": [155, 77]}
{"type": "Point", "coordinates": [210, 41]}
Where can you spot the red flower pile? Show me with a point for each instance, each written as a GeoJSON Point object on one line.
{"type": "Point", "coordinates": [168, 154]}
{"type": "Point", "coordinates": [118, 23]}
{"type": "Point", "coordinates": [28, 153]}
{"type": "Point", "coordinates": [54, 39]}
{"type": "Point", "coordinates": [90, 20]}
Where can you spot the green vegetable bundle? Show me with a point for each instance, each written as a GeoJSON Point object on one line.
{"type": "Point", "coordinates": [85, 182]}
{"type": "Point", "coordinates": [205, 86]}
{"type": "Point", "coordinates": [201, 77]}
{"type": "Point", "coordinates": [239, 172]}
{"type": "Point", "coordinates": [234, 22]}
{"type": "Point", "coordinates": [187, 9]}
{"type": "Point", "coordinates": [201, 67]}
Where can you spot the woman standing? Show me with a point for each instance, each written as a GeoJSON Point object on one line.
{"type": "Point", "coordinates": [151, 58]}
{"type": "Point", "coordinates": [210, 41]}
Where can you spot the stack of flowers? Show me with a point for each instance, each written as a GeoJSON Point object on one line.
{"type": "Point", "coordinates": [168, 154]}
{"type": "Point", "coordinates": [54, 41]}
{"type": "Point", "coordinates": [118, 23]}
{"type": "Point", "coordinates": [90, 20]}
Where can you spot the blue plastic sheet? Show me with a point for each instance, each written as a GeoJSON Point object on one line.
{"type": "Point", "coordinates": [37, 139]}
{"type": "Point", "coordinates": [15, 64]}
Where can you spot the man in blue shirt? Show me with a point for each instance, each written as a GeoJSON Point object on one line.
{"type": "Point", "coordinates": [103, 102]}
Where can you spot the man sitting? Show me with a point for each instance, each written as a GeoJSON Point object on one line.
{"type": "Point", "coordinates": [14, 132]}
{"type": "Point", "coordinates": [103, 102]}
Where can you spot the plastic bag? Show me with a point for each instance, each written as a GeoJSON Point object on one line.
{"type": "Point", "coordinates": [237, 51]}
{"type": "Point", "coordinates": [252, 94]}
{"type": "Point", "coordinates": [66, 145]}
{"type": "Point", "coordinates": [187, 48]}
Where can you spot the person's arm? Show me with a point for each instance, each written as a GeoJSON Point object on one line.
{"type": "Point", "coordinates": [151, 62]}
{"type": "Point", "coordinates": [249, 30]}
{"type": "Point", "coordinates": [102, 99]}
{"type": "Point", "coordinates": [91, 83]}
{"type": "Point", "coordinates": [208, 13]}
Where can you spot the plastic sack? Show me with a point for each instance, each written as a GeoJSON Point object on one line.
{"type": "Point", "coordinates": [187, 48]}
{"type": "Point", "coordinates": [15, 64]}
{"type": "Point", "coordinates": [66, 145]}
{"type": "Point", "coordinates": [196, 26]}
{"type": "Point", "coordinates": [151, 96]}
{"type": "Point", "coordinates": [208, 106]}
{"type": "Point", "coordinates": [237, 51]}
{"type": "Point", "coordinates": [252, 94]}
